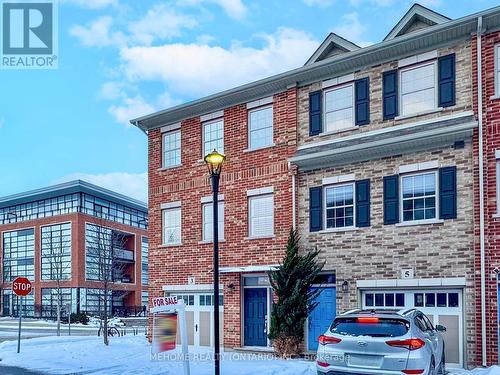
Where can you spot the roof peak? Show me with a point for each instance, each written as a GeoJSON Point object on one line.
{"type": "Point", "coordinates": [333, 45]}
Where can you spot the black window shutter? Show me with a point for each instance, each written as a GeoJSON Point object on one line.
{"type": "Point", "coordinates": [390, 94]}
{"type": "Point", "coordinates": [315, 113]}
{"type": "Point", "coordinates": [363, 203]}
{"type": "Point", "coordinates": [446, 78]}
{"type": "Point", "coordinates": [362, 88]}
{"type": "Point", "coordinates": [448, 193]}
{"type": "Point", "coordinates": [391, 199]}
{"type": "Point", "coordinates": [315, 209]}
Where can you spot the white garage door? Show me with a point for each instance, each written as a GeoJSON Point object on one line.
{"type": "Point", "coordinates": [442, 306]}
{"type": "Point", "coordinates": [200, 318]}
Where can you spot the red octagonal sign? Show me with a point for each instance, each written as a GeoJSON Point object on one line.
{"type": "Point", "coordinates": [21, 286]}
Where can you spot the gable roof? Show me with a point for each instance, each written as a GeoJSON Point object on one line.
{"type": "Point", "coordinates": [416, 14]}
{"type": "Point", "coordinates": [330, 45]}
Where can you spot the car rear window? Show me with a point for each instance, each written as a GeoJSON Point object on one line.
{"type": "Point", "coordinates": [375, 328]}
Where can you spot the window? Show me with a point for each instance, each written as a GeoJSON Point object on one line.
{"type": "Point", "coordinates": [172, 149]}
{"type": "Point", "coordinates": [385, 299]}
{"type": "Point", "coordinates": [49, 301]}
{"type": "Point", "coordinates": [498, 186]}
{"type": "Point", "coordinates": [56, 252]}
{"type": "Point", "coordinates": [339, 201]}
{"type": "Point", "coordinates": [261, 215]}
{"type": "Point", "coordinates": [208, 221]}
{"type": "Point", "coordinates": [419, 196]}
{"type": "Point", "coordinates": [172, 226]}
{"type": "Point", "coordinates": [418, 89]}
{"type": "Point", "coordinates": [144, 261]}
{"type": "Point", "coordinates": [497, 70]}
{"type": "Point", "coordinates": [19, 254]}
{"type": "Point", "coordinates": [260, 127]}
{"type": "Point", "coordinates": [339, 108]}
{"type": "Point", "coordinates": [213, 137]}
{"type": "Point", "coordinates": [144, 298]}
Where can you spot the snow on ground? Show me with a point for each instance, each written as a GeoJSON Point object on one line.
{"type": "Point", "coordinates": [132, 355]}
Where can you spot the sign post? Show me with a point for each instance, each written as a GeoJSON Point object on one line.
{"type": "Point", "coordinates": [21, 287]}
{"type": "Point", "coordinates": [170, 304]}
{"type": "Point", "coordinates": [68, 311]}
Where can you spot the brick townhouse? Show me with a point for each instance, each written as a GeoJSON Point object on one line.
{"type": "Point", "coordinates": [488, 61]}
{"type": "Point", "coordinates": [65, 219]}
{"type": "Point", "coordinates": [368, 152]}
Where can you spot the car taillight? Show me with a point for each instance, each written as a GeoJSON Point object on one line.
{"type": "Point", "coordinates": [322, 364]}
{"type": "Point", "coordinates": [413, 371]}
{"type": "Point", "coordinates": [410, 344]}
{"type": "Point", "coordinates": [324, 340]}
{"type": "Point", "coordinates": [367, 319]}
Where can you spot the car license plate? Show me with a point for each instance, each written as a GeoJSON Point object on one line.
{"type": "Point", "coordinates": [364, 360]}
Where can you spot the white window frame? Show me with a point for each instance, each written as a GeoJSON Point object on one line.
{"type": "Point", "coordinates": [436, 196]}
{"type": "Point", "coordinates": [163, 226]}
{"type": "Point", "coordinates": [205, 123]}
{"type": "Point", "coordinates": [210, 239]}
{"type": "Point", "coordinates": [497, 70]}
{"type": "Point", "coordinates": [400, 87]}
{"type": "Point", "coordinates": [498, 185]}
{"type": "Point", "coordinates": [256, 197]}
{"type": "Point", "coordinates": [164, 151]}
{"type": "Point", "coordinates": [325, 188]}
{"type": "Point", "coordinates": [257, 109]}
{"type": "Point", "coordinates": [353, 107]}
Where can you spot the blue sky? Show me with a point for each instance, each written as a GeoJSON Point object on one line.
{"type": "Point", "coordinates": [119, 59]}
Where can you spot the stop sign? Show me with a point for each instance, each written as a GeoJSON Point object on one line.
{"type": "Point", "coordinates": [21, 286]}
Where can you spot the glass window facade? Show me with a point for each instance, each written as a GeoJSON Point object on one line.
{"type": "Point", "coordinates": [339, 108]}
{"type": "Point", "coordinates": [144, 260]}
{"type": "Point", "coordinates": [72, 203]}
{"type": "Point", "coordinates": [49, 301]}
{"type": "Point", "coordinates": [56, 252]}
{"type": "Point", "coordinates": [92, 300]}
{"type": "Point", "coordinates": [144, 298]}
{"type": "Point", "coordinates": [260, 127]}
{"type": "Point", "coordinates": [10, 305]}
{"type": "Point", "coordinates": [213, 137]}
{"type": "Point", "coordinates": [18, 254]}
{"type": "Point", "coordinates": [98, 245]}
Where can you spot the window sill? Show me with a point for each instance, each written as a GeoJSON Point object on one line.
{"type": "Point", "coordinates": [495, 97]}
{"type": "Point", "coordinates": [209, 242]}
{"type": "Point", "coordinates": [336, 230]}
{"type": "Point", "coordinates": [259, 237]}
{"type": "Point", "coordinates": [163, 246]}
{"type": "Point", "coordinates": [169, 168]}
{"type": "Point", "coordinates": [332, 132]}
{"type": "Point", "coordinates": [496, 216]}
{"type": "Point", "coordinates": [259, 148]}
{"type": "Point", "coordinates": [420, 222]}
{"type": "Point", "coordinates": [410, 115]}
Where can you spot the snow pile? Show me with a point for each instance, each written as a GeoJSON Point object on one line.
{"type": "Point", "coordinates": [495, 370]}
{"type": "Point", "coordinates": [113, 322]}
{"type": "Point", "coordinates": [132, 355]}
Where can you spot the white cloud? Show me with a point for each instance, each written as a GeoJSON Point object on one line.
{"type": "Point", "coordinates": [319, 3]}
{"type": "Point", "coordinates": [199, 69]}
{"type": "Point", "coordinates": [130, 108]}
{"type": "Point", "coordinates": [352, 29]}
{"type": "Point", "coordinates": [92, 4]}
{"type": "Point", "coordinates": [111, 90]}
{"type": "Point", "coordinates": [98, 33]}
{"type": "Point", "coordinates": [134, 185]}
{"type": "Point", "coordinates": [233, 8]}
{"type": "Point", "coordinates": [161, 22]}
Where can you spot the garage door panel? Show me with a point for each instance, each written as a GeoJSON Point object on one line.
{"type": "Point", "coordinates": [204, 328]}
{"type": "Point", "coordinates": [451, 337]}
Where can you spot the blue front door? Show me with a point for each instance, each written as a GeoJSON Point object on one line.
{"type": "Point", "coordinates": [255, 302]}
{"type": "Point", "coordinates": [322, 316]}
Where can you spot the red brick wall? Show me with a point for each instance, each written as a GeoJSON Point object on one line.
{"type": "Point", "coordinates": [78, 253]}
{"type": "Point", "coordinates": [189, 182]}
{"type": "Point", "coordinates": [491, 138]}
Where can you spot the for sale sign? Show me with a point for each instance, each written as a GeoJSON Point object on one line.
{"type": "Point", "coordinates": [22, 286]}
{"type": "Point", "coordinates": [164, 301]}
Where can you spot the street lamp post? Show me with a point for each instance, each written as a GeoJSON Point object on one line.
{"type": "Point", "coordinates": [214, 162]}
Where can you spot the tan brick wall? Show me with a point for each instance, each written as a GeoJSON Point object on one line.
{"type": "Point", "coordinates": [381, 251]}
{"type": "Point", "coordinates": [463, 103]}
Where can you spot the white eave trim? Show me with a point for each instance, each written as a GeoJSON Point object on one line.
{"type": "Point", "coordinates": [212, 116]}
{"type": "Point", "coordinates": [166, 206]}
{"type": "Point", "coordinates": [412, 283]}
{"type": "Point", "coordinates": [388, 130]}
{"type": "Point", "coordinates": [242, 269]}
{"type": "Point", "coordinates": [260, 102]}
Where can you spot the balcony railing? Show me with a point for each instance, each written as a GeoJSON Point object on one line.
{"type": "Point", "coordinates": [123, 254]}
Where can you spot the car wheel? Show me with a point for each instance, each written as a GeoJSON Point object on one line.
{"type": "Point", "coordinates": [441, 370]}
{"type": "Point", "coordinates": [432, 368]}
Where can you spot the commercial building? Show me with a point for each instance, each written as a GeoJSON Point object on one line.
{"type": "Point", "coordinates": [55, 237]}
